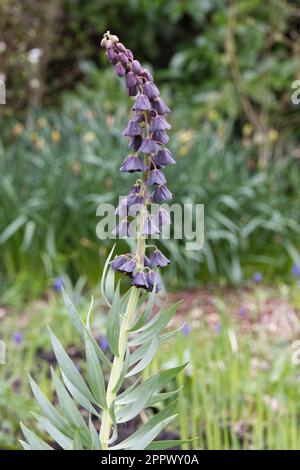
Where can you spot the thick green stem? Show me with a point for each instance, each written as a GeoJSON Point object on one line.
{"type": "Point", "coordinates": [117, 367]}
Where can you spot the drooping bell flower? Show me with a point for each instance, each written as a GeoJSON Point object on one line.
{"type": "Point", "coordinates": [156, 177]}
{"type": "Point", "coordinates": [150, 90]}
{"type": "Point", "coordinates": [162, 218]}
{"type": "Point", "coordinates": [153, 279]}
{"type": "Point", "coordinates": [149, 146]}
{"type": "Point", "coordinates": [142, 103]}
{"type": "Point", "coordinates": [164, 158]}
{"type": "Point", "coordinates": [118, 262]}
{"type": "Point", "coordinates": [150, 227]}
{"type": "Point", "coordinates": [159, 123]}
{"type": "Point", "coordinates": [160, 106]}
{"type": "Point", "coordinates": [161, 193]}
{"type": "Point", "coordinates": [160, 137]}
{"type": "Point", "coordinates": [158, 259]}
{"type": "Point", "coordinates": [132, 129]}
{"type": "Point", "coordinates": [132, 164]}
{"type": "Point", "coordinates": [140, 280]}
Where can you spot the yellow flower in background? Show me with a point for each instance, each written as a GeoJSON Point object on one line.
{"type": "Point", "coordinates": [42, 122]}
{"type": "Point", "coordinates": [89, 137]}
{"type": "Point", "coordinates": [18, 129]}
{"type": "Point", "coordinates": [213, 115]}
{"type": "Point", "coordinates": [247, 129]}
{"type": "Point", "coordinates": [186, 136]}
{"type": "Point", "coordinates": [40, 144]}
{"type": "Point", "coordinates": [34, 136]}
{"type": "Point", "coordinates": [55, 136]}
{"type": "Point", "coordinates": [273, 135]}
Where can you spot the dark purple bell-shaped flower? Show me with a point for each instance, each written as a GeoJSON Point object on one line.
{"type": "Point", "coordinates": [129, 54]}
{"type": "Point", "coordinates": [120, 46]}
{"type": "Point", "coordinates": [128, 267]}
{"type": "Point", "coordinates": [161, 193]}
{"type": "Point", "coordinates": [150, 227]}
{"type": "Point", "coordinates": [158, 259]}
{"type": "Point", "coordinates": [150, 90]}
{"type": "Point", "coordinates": [132, 91]}
{"type": "Point", "coordinates": [136, 67]}
{"type": "Point", "coordinates": [156, 177]}
{"type": "Point", "coordinates": [163, 158]}
{"type": "Point", "coordinates": [130, 80]}
{"type": "Point", "coordinates": [159, 123]}
{"type": "Point", "coordinates": [140, 280]}
{"type": "Point", "coordinates": [147, 262]}
{"type": "Point", "coordinates": [122, 229]}
{"type": "Point", "coordinates": [120, 69]}
{"type": "Point", "coordinates": [112, 56]}
{"type": "Point", "coordinates": [132, 164]}
{"type": "Point", "coordinates": [162, 217]}
{"type": "Point", "coordinates": [118, 262]}
{"type": "Point", "coordinates": [160, 106]}
{"type": "Point", "coordinates": [147, 75]}
{"type": "Point", "coordinates": [161, 137]}
{"type": "Point", "coordinates": [135, 143]}
{"type": "Point", "coordinates": [123, 58]}
{"type": "Point", "coordinates": [139, 117]}
{"type": "Point", "coordinates": [132, 129]}
{"type": "Point", "coordinates": [154, 279]}
{"type": "Point", "coordinates": [142, 103]}
{"type": "Point", "coordinates": [149, 146]}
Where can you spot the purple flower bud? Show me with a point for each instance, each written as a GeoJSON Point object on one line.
{"type": "Point", "coordinates": [120, 69]}
{"type": "Point", "coordinates": [161, 137]}
{"type": "Point", "coordinates": [139, 117]}
{"type": "Point", "coordinates": [58, 284]}
{"type": "Point", "coordinates": [159, 123]}
{"type": "Point", "coordinates": [140, 280]}
{"type": "Point", "coordinates": [150, 227]}
{"type": "Point", "coordinates": [136, 67]}
{"type": "Point", "coordinates": [132, 164]}
{"type": "Point", "coordinates": [162, 217]}
{"type": "Point", "coordinates": [128, 267]}
{"type": "Point", "coordinates": [147, 262]}
{"type": "Point", "coordinates": [132, 91]}
{"type": "Point", "coordinates": [118, 262]}
{"type": "Point", "coordinates": [257, 277]}
{"type": "Point", "coordinates": [18, 337]}
{"type": "Point", "coordinates": [142, 103]}
{"type": "Point", "coordinates": [160, 106]}
{"type": "Point", "coordinates": [132, 129]}
{"type": "Point", "coordinates": [296, 270]}
{"type": "Point", "coordinates": [135, 143]}
{"type": "Point", "coordinates": [161, 193]}
{"type": "Point", "coordinates": [129, 54]}
{"type": "Point", "coordinates": [149, 146]}
{"type": "Point", "coordinates": [120, 47]}
{"type": "Point", "coordinates": [156, 177]}
{"type": "Point", "coordinates": [130, 80]}
{"type": "Point", "coordinates": [159, 259]}
{"type": "Point", "coordinates": [123, 58]}
{"type": "Point", "coordinates": [150, 90]}
{"type": "Point", "coordinates": [186, 329]}
{"type": "Point", "coordinates": [122, 229]}
{"type": "Point", "coordinates": [112, 56]}
{"type": "Point", "coordinates": [163, 158]}
{"type": "Point", "coordinates": [103, 343]}
{"type": "Point", "coordinates": [147, 75]}
{"type": "Point", "coordinates": [154, 279]}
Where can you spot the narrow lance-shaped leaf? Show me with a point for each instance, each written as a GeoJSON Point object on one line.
{"type": "Point", "coordinates": [113, 323]}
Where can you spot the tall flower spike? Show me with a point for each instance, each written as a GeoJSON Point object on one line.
{"type": "Point", "coordinates": [146, 130]}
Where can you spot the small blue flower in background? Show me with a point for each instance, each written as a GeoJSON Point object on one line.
{"type": "Point", "coordinates": [18, 337]}
{"type": "Point", "coordinates": [217, 328]}
{"type": "Point", "coordinates": [257, 277]}
{"type": "Point", "coordinates": [242, 311]}
{"type": "Point", "coordinates": [58, 284]}
{"type": "Point", "coordinates": [296, 270]}
{"type": "Point", "coordinates": [186, 329]}
{"type": "Point", "coordinates": [103, 343]}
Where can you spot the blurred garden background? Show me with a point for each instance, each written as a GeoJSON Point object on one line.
{"type": "Point", "coordinates": [226, 69]}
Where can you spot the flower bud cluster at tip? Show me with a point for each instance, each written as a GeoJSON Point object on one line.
{"type": "Point", "coordinates": [147, 132]}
